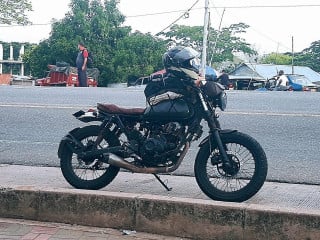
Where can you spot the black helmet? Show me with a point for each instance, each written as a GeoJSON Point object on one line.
{"type": "Point", "coordinates": [182, 62]}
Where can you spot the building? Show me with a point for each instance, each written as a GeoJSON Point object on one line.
{"type": "Point", "coordinates": [248, 76]}
{"type": "Point", "coordinates": [6, 78]}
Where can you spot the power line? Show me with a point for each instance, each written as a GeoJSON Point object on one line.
{"type": "Point", "coordinates": [185, 11]}
{"type": "Point", "coordinates": [226, 7]}
{"type": "Point", "coordinates": [271, 6]}
{"type": "Point", "coordinates": [29, 25]}
{"type": "Point", "coordinates": [154, 14]}
{"type": "Point", "coordinates": [270, 39]}
{"type": "Point", "coordinates": [185, 14]}
{"type": "Point", "coordinates": [276, 6]}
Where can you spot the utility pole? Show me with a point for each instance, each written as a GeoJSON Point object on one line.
{"type": "Point", "coordinates": [292, 66]}
{"type": "Point", "coordinates": [215, 42]}
{"type": "Point", "coordinates": [1, 57]}
{"type": "Point", "coordinates": [205, 38]}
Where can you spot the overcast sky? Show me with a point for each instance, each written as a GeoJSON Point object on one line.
{"type": "Point", "coordinates": [272, 23]}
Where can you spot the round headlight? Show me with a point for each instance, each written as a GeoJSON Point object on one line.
{"type": "Point", "coordinates": [223, 101]}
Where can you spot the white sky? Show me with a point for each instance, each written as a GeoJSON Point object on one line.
{"type": "Point", "coordinates": [271, 28]}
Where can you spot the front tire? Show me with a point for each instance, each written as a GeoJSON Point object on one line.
{"type": "Point", "coordinates": [89, 173]}
{"type": "Point", "coordinates": [249, 168]}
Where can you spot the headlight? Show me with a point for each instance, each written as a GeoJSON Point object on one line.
{"type": "Point", "coordinates": [222, 101]}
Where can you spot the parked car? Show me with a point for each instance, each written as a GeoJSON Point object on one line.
{"type": "Point", "coordinates": [301, 83]}
{"type": "Point", "coordinates": [296, 83]}
{"type": "Point", "coordinates": [134, 81]}
{"type": "Point", "coordinates": [21, 80]}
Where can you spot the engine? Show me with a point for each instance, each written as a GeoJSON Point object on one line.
{"type": "Point", "coordinates": [159, 146]}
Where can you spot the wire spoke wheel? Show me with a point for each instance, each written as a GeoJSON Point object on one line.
{"type": "Point", "coordinates": [91, 168]}
{"type": "Point", "coordinates": [89, 172]}
{"type": "Point", "coordinates": [237, 182]}
{"type": "Point", "coordinates": [243, 167]}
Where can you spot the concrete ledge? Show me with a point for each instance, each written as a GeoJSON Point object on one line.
{"type": "Point", "coordinates": [5, 79]}
{"type": "Point", "coordinates": [173, 216]}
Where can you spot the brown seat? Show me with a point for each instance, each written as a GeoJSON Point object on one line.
{"type": "Point", "coordinates": [114, 109]}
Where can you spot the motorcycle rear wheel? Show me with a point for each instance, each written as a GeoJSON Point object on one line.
{"type": "Point", "coordinates": [91, 173]}
{"type": "Point", "coordinates": [248, 174]}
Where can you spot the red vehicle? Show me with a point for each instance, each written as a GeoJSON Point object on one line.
{"type": "Point", "coordinates": [64, 75]}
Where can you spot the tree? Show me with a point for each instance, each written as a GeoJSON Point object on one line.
{"type": "Point", "coordinates": [96, 23]}
{"type": "Point", "coordinates": [277, 58]}
{"type": "Point", "coordinates": [14, 11]}
{"type": "Point", "coordinates": [137, 55]}
{"type": "Point", "coordinates": [222, 44]}
{"type": "Point", "coordinates": [309, 57]}
{"type": "Point", "coordinates": [37, 58]}
{"type": "Point", "coordinates": [185, 35]}
{"type": "Point", "coordinates": [117, 52]}
{"type": "Point", "coordinates": [226, 42]}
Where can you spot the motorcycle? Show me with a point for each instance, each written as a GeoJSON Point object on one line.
{"type": "Point", "coordinates": [229, 166]}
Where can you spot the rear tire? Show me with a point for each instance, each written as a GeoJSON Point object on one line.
{"type": "Point", "coordinates": [249, 160]}
{"type": "Point", "coordinates": [88, 173]}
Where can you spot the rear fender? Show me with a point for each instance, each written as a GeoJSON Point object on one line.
{"type": "Point", "coordinates": [221, 132]}
{"type": "Point", "coordinates": [89, 116]}
{"type": "Point", "coordinates": [71, 142]}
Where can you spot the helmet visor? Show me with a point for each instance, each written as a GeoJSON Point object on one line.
{"type": "Point", "coordinates": [195, 63]}
{"type": "Point", "coordinates": [185, 54]}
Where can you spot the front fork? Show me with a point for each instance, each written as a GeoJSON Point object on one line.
{"type": "Point", "coordinates": [214, 127]}
{"type": "Point", "coordinates": [222, 148]}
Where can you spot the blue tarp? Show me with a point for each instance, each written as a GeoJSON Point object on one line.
{"type": "Point", "coordinates": [210, 74]}
{"type": "Point", "coordinates": [267, 71]}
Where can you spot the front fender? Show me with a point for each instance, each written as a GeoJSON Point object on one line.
{"type": "Point", "coordinates": [224, 131]}
{"type": "Point", "coordinates": [68, 141]}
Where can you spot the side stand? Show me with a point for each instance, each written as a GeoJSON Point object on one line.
{"type": "Point", "coordinates": [162, 183]}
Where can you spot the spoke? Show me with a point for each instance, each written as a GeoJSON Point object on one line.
{"type": "Point", "coordinates": [92, 170]}
{"type": "Point", "coordinates": [82, 173]}
{"type": "Point", "coordinates": [240, 155]}
{"type": "Point", "coordinates": [94, 174]}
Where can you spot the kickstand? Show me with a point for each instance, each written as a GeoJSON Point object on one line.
{"type": "Point", "coordinates": [162, 183]}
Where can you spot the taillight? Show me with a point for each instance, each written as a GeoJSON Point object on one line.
{"type": "Point", "coordinates": [306, 89]}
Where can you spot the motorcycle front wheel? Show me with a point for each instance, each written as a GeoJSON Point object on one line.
{"type": "Point", "coordinates": [238, 183]}
{"type": "Point", "coordinates": [88, 173]}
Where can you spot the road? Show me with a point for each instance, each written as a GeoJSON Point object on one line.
{"type": "Point", "coordinates": [34, 119]}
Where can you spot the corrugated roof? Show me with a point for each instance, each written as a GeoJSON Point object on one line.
{"type": "Point", "coordinates": [267, 71]}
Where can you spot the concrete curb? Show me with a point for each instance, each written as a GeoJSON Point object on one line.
{"type": "Point", "coordinates": [173, 216]}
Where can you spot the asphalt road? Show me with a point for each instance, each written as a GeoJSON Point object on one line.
{"type": "Point", "coordinates": [34, 119]}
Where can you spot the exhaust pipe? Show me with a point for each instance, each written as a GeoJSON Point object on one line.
{"type": "Point", "coordinates": [121, 163]}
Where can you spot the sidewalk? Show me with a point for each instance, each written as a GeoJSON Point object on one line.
{"type": "Point", "coordinates": [139, 203]}
{"type": "Point", "coordinates": [297, 196]}
{"type": "Point", "coordinates": [32, 230]}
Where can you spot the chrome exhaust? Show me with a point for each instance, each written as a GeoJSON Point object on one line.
{"type": "Point", "coordinates": [121, 163]}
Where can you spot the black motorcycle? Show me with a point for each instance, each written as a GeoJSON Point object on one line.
{"type": "Point", "coordinates": [230, 165]}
